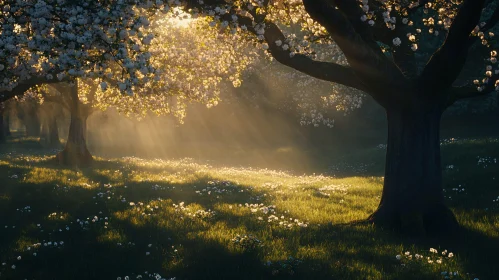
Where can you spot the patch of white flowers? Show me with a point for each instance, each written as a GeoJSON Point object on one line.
{"type": "Point", "coordinates": [247, 242]}
{"type": "Point", "coordinates": [486, 161]}
{"type": "Point", "coordinates": [147, 275]}
{"type": "Point", "coordinates": [444, 260]}
{"type": "Point", "coordinates": [330, 189]}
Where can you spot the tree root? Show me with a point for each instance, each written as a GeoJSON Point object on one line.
{"type": "Point", "coordinates": [432, 221]}
{"type": "Point", "coordinates": [75, 156]}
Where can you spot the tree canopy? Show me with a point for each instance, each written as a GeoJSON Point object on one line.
{"type": "Point", "coordinates": [137, 57]}
{"type": "Point", "coordinates": [372, 45]}
{"type": "Point", "coordinates": [57, 40]}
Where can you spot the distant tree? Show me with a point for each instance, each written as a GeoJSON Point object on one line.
{"type": "Point", "coordinates": [49, 137]}
{"type": "Point", "coordinates": [6, 124]}
{"type": "Point", "coordinates": [390, 54]}
{"type": "Point", "coordinates": [28, 112]}
{"type": "Point", "coordinates": [6, 109]}
{"type": "Point", "coordinates": [3, 135]}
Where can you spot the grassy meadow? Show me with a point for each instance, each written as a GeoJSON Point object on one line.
{"type": "Point", "coordinates": [132, 218]}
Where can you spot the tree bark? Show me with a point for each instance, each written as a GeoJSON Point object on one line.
{"type": "Point", "coordinates": [44, 132]}
{"type": "Point", "coordinates": [6, 127]}
{"type": "Point", "coordinates": [32, 123]}
{"type": "Point", "coordinates": [76, 153]}
{"type": "Point", "coordinates": [54, 133]}
{"type": "Point", "coordinates": [412, 198]}
{"type": "Point", "coordinates": [2, 129]}
{"type": "Point", "coordinates": [50, 133]}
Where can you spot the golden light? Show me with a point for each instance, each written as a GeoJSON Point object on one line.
{"type": "Point", "coordinates": [181, 18]}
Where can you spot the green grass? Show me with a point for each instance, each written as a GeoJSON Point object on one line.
{"type": "Point", "coordinates": [182, 218]}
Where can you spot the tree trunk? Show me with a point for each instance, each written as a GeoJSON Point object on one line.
{"type": "Point", "coordinates": [2, 129]}
{"type": "Point", "coordinates": [55, 141]}
{"type": "Point", "coordinates": [6, 128]}
{"type": "Point", "coordinates": [50, 133]}
{"type": "Point", "coordinates": [44, 132]}
{"type": "Point", "coordinates": [85, 128]}
{"type": "Point", "coordinates": [32, 123]}
{"type": "Point", "coordinates": [76, 153]}
{"type": "Point", "coordinates": [412, 198]}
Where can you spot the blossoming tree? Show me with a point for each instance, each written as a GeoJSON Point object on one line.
{"type": "Point", "coordinates": [192, 63]}
{"type": "Point", "coordinates": [387, 56]}
{"type": "Point", "coordinates": [44, 42]}
{"type": "Point", "coordinates": [49, 135]}
{"type": "Point", "coordinates": [47, 42]}
{"type": "Point", "coordinates": [107, 52]}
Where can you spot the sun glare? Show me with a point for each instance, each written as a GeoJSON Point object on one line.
{"type": "Point", "coordinates": [181, 19]}
{"type": "Point", "coordinates": [183, 22]}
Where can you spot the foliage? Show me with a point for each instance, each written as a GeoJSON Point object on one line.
{"type": "Point", "coordinates": [366, 37]}
{"type": "Point", "coordinates": [193, 60]}
{"type": "Point", "coordinates": [50, 41]}
{"type": "Point", "coordinates": [188, 60]}
{"type": "Point", "coordinates": [312, 101]}
{"type": "Point", "coordinates": [193, 63]}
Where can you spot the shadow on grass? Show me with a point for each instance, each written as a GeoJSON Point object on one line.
{"type": "Point", "coordinates": [326, 251]}
{"type": "Point", "coordinates": [371, 161]}
{"type": "Point", "coordinates": [91, 251]}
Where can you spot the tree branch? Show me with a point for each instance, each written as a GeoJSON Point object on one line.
{"type": "Point", "coordinates": [492, 21]}
{"type": "Point", "coordinates": [447, 62]}
{"type": "Point", "coordinates": [403, 55]}
{"type": "Point", "coordinates": [24, 86]}
{"type": "Point", "coordinates": [326, 71]}
{"type": "Point", "coordinates": [353, 11]}
{"type": "Point", "coordinates": [376, 71]}
{"type": "Point", "coordinates": [369, 71]}
{"type": "Point", "coordinates": [57, 100]}
{"type": "Point", "coordinates": [465, 92]}
{"type": "Point", "coordinates": [489, 24]}
{"type": "Point", "coordinates": [63, 95]}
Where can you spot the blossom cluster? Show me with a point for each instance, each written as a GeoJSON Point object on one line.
{"type": "Point", "coordinates": [60, 40]}
{"type": "Point", "coordinates": [192, 61]}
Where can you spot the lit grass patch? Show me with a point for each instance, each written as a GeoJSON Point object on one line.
{"type": "Point", "coordinates": [479, 221]}
{"type": "Point", "coordinates": [113, 237]}
{"type": "Point", "coordinates": [42, 175]}
{"type": "Point", "coordinates": [181, 218]}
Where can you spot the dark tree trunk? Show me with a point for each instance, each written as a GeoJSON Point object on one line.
{"type": "Point", "coordinates": [54, 133]}
{"type": "Point", "coordinates": [76, 153]}
{"type": "Point", "coordinates": [6, 128]}
{"type": "Point", "coordinates": [50, 133]}
{"type": "Point", "coordinates": [412, 198]}
{"type": "Point", "coordinates": [32, 123]}
{"type": "Point", "coordinates": [44, 132]}
{"type": "Point", "coordinates": [85, 128]}
{"type": "Point", "coordinates": [2, 129]}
